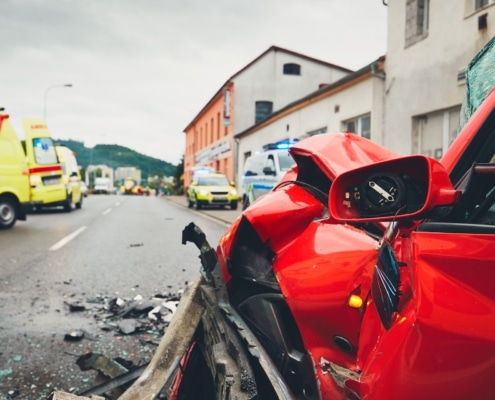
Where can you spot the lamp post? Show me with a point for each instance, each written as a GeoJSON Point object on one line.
{"type": "Point", "coordinates": [46, 94]}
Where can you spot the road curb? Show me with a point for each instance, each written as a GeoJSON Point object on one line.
{"type": "Point", "coordinates": [225, 216]}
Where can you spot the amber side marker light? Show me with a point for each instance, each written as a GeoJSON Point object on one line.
{"type": "Point", "coordinates": [355, 301]}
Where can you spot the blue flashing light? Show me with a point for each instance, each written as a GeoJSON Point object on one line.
{"type": "Point", "coordinates": [282, 145]}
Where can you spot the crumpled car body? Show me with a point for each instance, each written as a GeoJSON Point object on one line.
{"type": "Point", "coordinates": [297, 283]}
{"type": "Point", "coordinates": [287, 303]}
{"type": "Point", "coordinates": [280, 280]}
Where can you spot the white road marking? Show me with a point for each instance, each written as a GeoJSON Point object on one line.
{"type": "Point", "coordinates": [67, 239]}
{"type": "Point", "coordinates": [108, 210]}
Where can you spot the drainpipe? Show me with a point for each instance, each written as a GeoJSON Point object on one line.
{"type": "Point", "coordinates": [236, 163]}
{"type": "Point", "coordinates": [375, 73]}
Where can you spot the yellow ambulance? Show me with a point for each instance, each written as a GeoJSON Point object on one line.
{"type": "Point", "coordinates": [45, 171]}
{"type": "Point", "coordinates": [14, 176]}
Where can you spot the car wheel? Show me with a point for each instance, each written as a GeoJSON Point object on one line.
{"type": "Point", "coordinates": [68, 203]}
{"type": "Point", "coordinates": [233, 204]}
{"type": "Point", "coordinates": [8, 213]}
{"type": "Point", "coordinates": [246, 203]}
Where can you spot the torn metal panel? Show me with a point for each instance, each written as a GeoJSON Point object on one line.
{"type": "Point", "coordinates": [68, 396]}
{"type": "Point", "coordinates": [101, 363]}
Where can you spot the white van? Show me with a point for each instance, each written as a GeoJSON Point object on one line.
{"type": "Point", "coordinates": [262, 171]}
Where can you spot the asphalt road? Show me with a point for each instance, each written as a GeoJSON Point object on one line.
{"type": "Point", "coordinates": [60, 272]}
{"type": "Point", "coordinates": [225, 215]}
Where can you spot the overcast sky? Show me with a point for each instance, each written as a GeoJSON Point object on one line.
{"type": "Point", "coordinates": [141, 70]}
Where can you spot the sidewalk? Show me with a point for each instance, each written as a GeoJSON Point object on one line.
{"type": "Point", "coordinates": [225, 215]}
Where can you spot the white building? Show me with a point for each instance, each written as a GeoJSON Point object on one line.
{"type": "Point", "coordinates": [122, 173]}
{"type": "Point", "coordinates": [276, 78]}
{"type": "Point", "coordinates": [353, 103]}
{"type": "Point", "coordinates": [408, 101]}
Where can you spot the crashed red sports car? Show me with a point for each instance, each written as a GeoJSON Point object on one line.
{"type": "Point", "coordinates": [368, 276]}
{"type": "Point", "coordinates": [381, 290]}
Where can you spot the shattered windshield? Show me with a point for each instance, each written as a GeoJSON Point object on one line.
{"type": "Point", "coordinates": [480, 80]}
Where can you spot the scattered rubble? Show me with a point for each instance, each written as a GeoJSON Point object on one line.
{"type": "Point", "coordinates": [121, 339]}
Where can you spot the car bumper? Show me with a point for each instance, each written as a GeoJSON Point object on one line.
{"type": "Point", "coordinates": [217, 200]}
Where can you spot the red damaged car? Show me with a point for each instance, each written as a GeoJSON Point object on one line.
{"type": "Point", "coordinates": [369, 276]}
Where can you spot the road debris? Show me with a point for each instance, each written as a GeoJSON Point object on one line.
{"type": "Point", "coordinates": [123, 331]}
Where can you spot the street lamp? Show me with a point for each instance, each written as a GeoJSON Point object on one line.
{"type": "Point", "coordinates": [46, 94]}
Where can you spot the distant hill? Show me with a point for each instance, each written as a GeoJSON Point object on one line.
{"type": "Point", "coordinates": [118, 156]}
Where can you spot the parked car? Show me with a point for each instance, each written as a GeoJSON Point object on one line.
{"type": "Point", "coordinates": [262, 171]}
{"type": "Point", "coordinates": [212, 189]}
{"type": "Point", "coordinates": [103, 185]}
{"type": "Point", "coordinates": [84, 189]}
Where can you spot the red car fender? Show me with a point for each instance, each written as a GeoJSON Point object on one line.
{"type": "Point", "coordinates": [326, 266]}
{"type": "Point", "coordinates": [280, 217]}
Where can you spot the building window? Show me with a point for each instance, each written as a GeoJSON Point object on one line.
{"type": "Point", "coordinates": [218, 126]}
{"type": "Point", "coordinates": [292, 69]}
{"type": "Point", "coordinates": [317, 131]}
{"type": "Point", "coordinates": [434, 132]}
{"type": "Point", "coordinates": [360, 126]}
{"type": "Point", "coordinates": [480, 4]}
{"type": "Point", "coordinates": [212, 127]}
{"type": "Point", "coordinates": [416, 21]}
{"type": "Point", "coordinates": [263, 110]}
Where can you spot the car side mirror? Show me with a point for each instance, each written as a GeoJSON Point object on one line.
{"type": "Point", "coordinates": [403, 188]}
{"type": "Point", "coordinates": [268, 171]}
{"type": "Point", "coordinates": [232, 183]}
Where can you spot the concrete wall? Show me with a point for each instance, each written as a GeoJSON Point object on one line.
{"type": "Point", "coordinates": [421, 79]}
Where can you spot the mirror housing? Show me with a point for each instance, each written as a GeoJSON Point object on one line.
{"type": "Point", "coordinates": [403, 188]}
{"type": "Point", "coordinates": [268, 171]}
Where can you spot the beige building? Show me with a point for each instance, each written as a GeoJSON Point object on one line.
{"type": "Point", "coordinates": [430, 43]}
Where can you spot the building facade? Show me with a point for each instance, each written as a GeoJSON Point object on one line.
{"type": "Point", "coordinates": [429, 46]}
{"type": "Point", "coordinates": [268, 83]}
{"type": "Point", "coordinates": [353, 103]}
{"type": "Point", "coordinates": [122, 173]}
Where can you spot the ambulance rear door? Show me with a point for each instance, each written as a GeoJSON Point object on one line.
{"type": "Point", "coordinates": [45, 170]}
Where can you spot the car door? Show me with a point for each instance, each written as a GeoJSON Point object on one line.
{"type": "Point", "coordinates": [452, 267]}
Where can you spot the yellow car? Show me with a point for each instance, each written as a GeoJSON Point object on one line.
{"type": "Point", "coordinates": [212, 190]}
